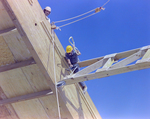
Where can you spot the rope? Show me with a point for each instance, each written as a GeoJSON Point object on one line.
{"type": "Point", "coordinates": [76, 20]}
{"type": "Point", "coordinates": [73, 44]}
{"type": "Point", "coordinates": [79, 16]}
{"type": "Point", "coordinates": [74, 17]}
{"type": "Point", "coordinates": [105, 3]}
{"type": "Point", "coordinates": [55, 77]}
{"type": "Point", "coordinates": [74, 47]}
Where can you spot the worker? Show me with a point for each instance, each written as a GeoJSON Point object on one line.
{"type": "Point", "coordinates": [72, 60]}
{"type": "Point", "coordinates": [47, 11]}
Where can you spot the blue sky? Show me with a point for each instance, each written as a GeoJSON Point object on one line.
{"type": "Point", "coordinates": [123, 25]}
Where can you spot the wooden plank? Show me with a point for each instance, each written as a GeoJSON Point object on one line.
{"type": "Point", "coordinates": [147, 54]}
{"type": "Point", "coordinates": [5, 21]}
{"type": "Point", "coordinates": [37, 41]}
{"type": "Point", "coordinates": [95, 65]}
{"type": "Point", "coordinates": [7, 31]}
{"type": "Point", "coordinates": [38, 82]}
{"type": "Point", "coordinates": [117, 57]}
{"type": "Point", "coordinates": [91, 68]}
{"type": "Point", "coordinates": [17, 65]}
{"type": "Point", "coordinates": [17, 46]}
{"type": "Point", "coordinates": [109, 62]}
{"type": "Point", "coordinates": [129, 59]}
{"type": "Point", "coordinates": [145, 58]}
{"type": "Point", "coordinates": [38, 47]}
{"type": "Point", "coordinates": [6, 111]}
{"type": "Point", "coordinates": [26, 97]}
{"type": "Point", "coordinates": [106, 73]}
{"type": "Point", "coordinates": [14, 83]}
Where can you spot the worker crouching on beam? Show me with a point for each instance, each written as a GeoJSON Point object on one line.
{"type": "Point", "coordinates": [72, 60]}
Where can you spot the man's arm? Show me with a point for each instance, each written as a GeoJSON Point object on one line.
{"type": "Point", "coordinates": [69, 63]}
{"type": "Point", "coordinates": [78, 52]}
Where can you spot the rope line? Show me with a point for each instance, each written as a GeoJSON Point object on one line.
{"type": "Point", "coordinates": [105, 3]}
{"type": "Point", "coordinates": [78, 16]}
{"type": "Point", "coordinates": [74, 17]}
{"type": "Point", "coordinates": [76, 20]}
{"type": "Point", "coordinates": [55, 76]}
{"type": "Point", "coordinates": [74, 47]}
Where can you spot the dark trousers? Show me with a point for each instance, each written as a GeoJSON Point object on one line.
{"type": "Point", "coordinates": [75, 69]}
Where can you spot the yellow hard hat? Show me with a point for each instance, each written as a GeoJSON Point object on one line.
{"type": "Point", "coordinates": [69, 49]}
{"type": "Point", "coordinates": [48, 8]}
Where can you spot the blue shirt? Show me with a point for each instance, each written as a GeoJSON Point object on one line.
{"type": "Point", "coordinates": [73, 57]}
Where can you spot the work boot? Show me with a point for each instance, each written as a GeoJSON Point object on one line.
{"type": "Point", "coordinates": [84, 89]}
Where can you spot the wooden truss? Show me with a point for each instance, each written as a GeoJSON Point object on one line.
{"type": "Point", "coordinates": [111, 65]}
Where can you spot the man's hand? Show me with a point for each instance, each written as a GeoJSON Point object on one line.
{"type": "Point", "coordinates": [70, 65]}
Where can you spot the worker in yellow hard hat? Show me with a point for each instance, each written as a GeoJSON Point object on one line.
{"type": "Point", "coordinates": [47, 11]}
{"type": "Point", "coordinates": [72, 60]}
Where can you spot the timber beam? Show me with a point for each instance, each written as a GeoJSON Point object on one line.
{"type": "Point", "coordinates": [117, 57]}
{"type": "Point", "coordinates": [26, 97]}
{"type": "Point", "coordinates": [7, 31]}
{"type": "Point", "coordinates": [17, 65]}
{"type": "Point", "coordinates": [106, 73]}
{"type": "Point", "coordinates": [107, 66]}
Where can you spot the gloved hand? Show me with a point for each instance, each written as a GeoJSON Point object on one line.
{"type": "Point", "coordinates": [70, 66]}
{"type": "Point", "coordinates": [58, 28]}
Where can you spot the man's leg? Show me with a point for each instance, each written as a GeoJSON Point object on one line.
{"type": "Point", "coordinates": [75, 69]}
{"type": "Point", "coordinates": [84, 87]}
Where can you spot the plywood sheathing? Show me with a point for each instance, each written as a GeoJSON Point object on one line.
{"type": "Point", "coordinates": [6, 111]}
{"type": "Point", "coordinates": [28, 23]}
{"type": "Point", "coordinates": [5, 21]}
{"type": "Point", "coordinates": [17, 46]}
{"type": "Point", "coordinates": [27, 80]}
{"type": "Point", "coordinates": [6, 56]}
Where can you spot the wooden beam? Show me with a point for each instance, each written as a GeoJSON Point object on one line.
{"type": "Point", "coordinates": [17, 65]}
{"type": "Point", "coordinates": [122, 66]}
{"type": "Point", "coordinates": [26, 97]}
{"type": "Point", "coordinates": [129, 59]}
{"type": "Point", "coordinates": [95, 65]}
{"type": "Point", "coordinates": [36, 40]}
{"type": "Point", "coordinates": [92, 67]}
{"type": "Point", "coordinates": [7, 31]}
{"type": "Point", "coordinates": [109, 62]}
{"type": "Point", "coordinates": [117, 57]}
{"type": "Point", "coordinates": [106, 73]}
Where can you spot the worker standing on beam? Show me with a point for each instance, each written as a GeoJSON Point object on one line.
{"type": "Point", "coordinates": [47, 11]}
{"type": "Point", "coordinates": [72, 60]}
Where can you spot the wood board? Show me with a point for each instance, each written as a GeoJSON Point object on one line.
{"type": "Point", "coordinates": [34, 40]}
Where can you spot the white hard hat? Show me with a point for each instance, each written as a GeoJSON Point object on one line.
{"type": "Point", "coordinates": [48, 8]}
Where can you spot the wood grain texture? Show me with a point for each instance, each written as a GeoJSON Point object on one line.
{"type": "Point", "coordinates": [17, 46]}
{"type": "Point", "coordinates": [6, 57]}
{"type": "Point", "coordinates": [26, 97]}
{"type": "Point", "coordinates": [17, 65]}
{"type": "Point", "coordinates": [6, 111]}
{"type": "Point", "coordinates": [5, 21]}
{"type": "Point", "coordinates": [40, 76]}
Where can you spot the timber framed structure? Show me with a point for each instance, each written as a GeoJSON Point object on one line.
{"type": "Point", "coordinates": [27, 85]}
{"type": "Point", "coordinates": [29, 53]}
